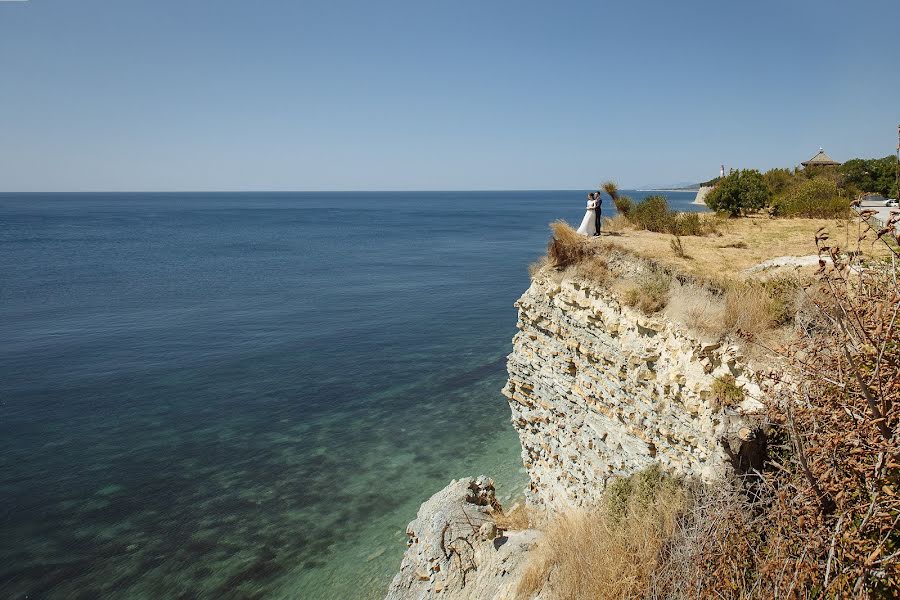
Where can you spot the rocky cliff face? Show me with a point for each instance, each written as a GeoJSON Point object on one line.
{"type": "Point", "coordinates": [598, 389]}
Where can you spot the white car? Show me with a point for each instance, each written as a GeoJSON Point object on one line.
{"type": "Point", "coordinates": [891, 202]}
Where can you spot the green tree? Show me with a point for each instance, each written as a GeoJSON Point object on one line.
{"type": "Point", "coordinates": [813, 198]}
{"type": "Point", "coordinates": [779, 180]}
{"type": "Point", "coordinates": [877, 175]}
{"type": "Point", "coordinates": [742, 192]}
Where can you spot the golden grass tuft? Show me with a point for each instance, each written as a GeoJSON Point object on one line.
{"type": "Point", "coordinates": [615, 224]}
{"type": "Point", "coordinates": [567, 246]}
{"type": "Point", "coordinates": [699, 307]}
{"type": "Point", "coordinates": [749, 309]}
{"type": "Point", "coordinates": [518, 517]}
{"type": "Point", "coordinates": [612, 551]}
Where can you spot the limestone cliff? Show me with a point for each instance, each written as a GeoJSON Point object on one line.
{"type": "Point", "coordinates": [456, 551]}
{"type": "Point", "coordinates": [598, 389]}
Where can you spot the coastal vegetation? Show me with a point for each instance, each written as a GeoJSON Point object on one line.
{"type": "Point", "coordinates": [653, 214]}
{"type": "Point", "coordinates": [611, 551]}
{"type": "Point", "coordinates": [819, 516]}
{"type": "Point", "coordinates": [811, 192]}
{"type": "Point", "coordinates": [742, 192]}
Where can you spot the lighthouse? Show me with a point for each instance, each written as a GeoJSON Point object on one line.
{"type": "Point", "coordinates": [722, 171]}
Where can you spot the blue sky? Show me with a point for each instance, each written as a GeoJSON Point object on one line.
{"type": "Point", "coordinates": [435, 94]}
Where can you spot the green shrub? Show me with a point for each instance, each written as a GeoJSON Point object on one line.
{"type": "Point", "coordinates": [694, 224]}
{"type": "Point", "coordinates": [779, 180]}
{"type": "Point", "coordinates": [624, 205]}
{"type": "Point", "coordinates": [814, 198]}
{"type": "Point", "coordinates": [726, 391]}
{"type": "Point", "coordinates": [742, 192]}
{"type": "Point", "coordinates": [637, 491]}
{"type": "Point", "coordinates": [653, 214]}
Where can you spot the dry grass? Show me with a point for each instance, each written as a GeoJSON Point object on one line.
{"type": "Point", "coordinates": [610, 552]}
{"type": "Point", "coordinates": [711, 295]}
{"type": "Point", "coordinates": [678, 247]}
{"type": "Point", "coordinates": [743, 243]}
{"type": "Point", "coordinates": [594, 268]}
{"type": "Point", "coordinates": [538, 266]}
{"type": "Point", "coordinates": [518, 517]}
{"type": "Point", "coordinates": [750, 309]}
{"type": "Point", "coordinates": [699, 307]}
{"type": "Point", "coordinates": [708, 555]}
{"type": "Point", "coordinates": [615, 224]}
{"type": "Point", "coordinates": [567, 246]}
{"type": "Point", "coordinates": [649, 292]}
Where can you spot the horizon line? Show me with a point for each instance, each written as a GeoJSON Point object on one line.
{"type": "Point", "coordinates": [352, 191]}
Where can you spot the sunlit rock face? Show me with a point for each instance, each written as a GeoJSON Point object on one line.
{"type": "Point", "coordinates": [598, 389]}
{"type": "Point", "coordinates": [456, 551]}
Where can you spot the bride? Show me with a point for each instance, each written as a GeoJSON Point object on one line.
{"type": "Point", "coordinates": [590, 225]}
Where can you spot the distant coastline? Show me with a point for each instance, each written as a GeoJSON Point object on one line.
{"type": "Point", "coordinates": [691, 189]}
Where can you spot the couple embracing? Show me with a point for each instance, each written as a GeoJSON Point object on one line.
{"type": "Point", "coordinates": [590, 225]}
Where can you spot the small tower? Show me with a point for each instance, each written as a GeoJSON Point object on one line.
{"type": "Point", "coordinates": [722, 171]}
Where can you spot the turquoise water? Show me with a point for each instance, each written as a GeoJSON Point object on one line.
{"type": "Point", "coordinates": [249, 395]}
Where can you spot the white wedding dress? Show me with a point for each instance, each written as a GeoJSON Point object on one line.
{"type": "Point", "coordinates": [589, 222]}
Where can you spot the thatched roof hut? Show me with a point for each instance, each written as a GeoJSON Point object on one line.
{"type": "Point", "coordinates": [820, 160]}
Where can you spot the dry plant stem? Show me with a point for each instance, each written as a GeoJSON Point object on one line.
{"type": "Point", "coordinates": [837, 529]}
{"type": "Point", "coordinates": [826, 504]}
{"type": "Point", "coordinates": [873, 406]}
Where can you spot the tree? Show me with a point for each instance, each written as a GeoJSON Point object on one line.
{"type": "Point", "coordinates": [623, 203]}
{"type": "Point", "coordinates": [778, 180]}
{"type": "Point", "coordinates": [742, 192]}
{"type": "Point", "coordinates": [877, 175]}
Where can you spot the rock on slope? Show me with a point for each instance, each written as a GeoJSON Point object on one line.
{"type": "Point", "coordinates": [456, 551]}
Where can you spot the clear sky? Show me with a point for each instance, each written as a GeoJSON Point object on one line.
{"type": "Point", "coordinates": [435, 94]}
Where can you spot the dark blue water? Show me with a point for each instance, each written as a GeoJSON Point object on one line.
{"type": "Point", "coordinates": [248, 395]}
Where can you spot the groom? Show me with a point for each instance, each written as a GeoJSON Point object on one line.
{"type": "Point", "coordinates": [595, 196]}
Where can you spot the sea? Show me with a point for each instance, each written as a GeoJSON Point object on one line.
{"type": "Point", "coordinates": [248, 395]}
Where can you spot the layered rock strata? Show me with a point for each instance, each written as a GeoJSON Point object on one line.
{"type": "Point", "coordinates": [598, 389]}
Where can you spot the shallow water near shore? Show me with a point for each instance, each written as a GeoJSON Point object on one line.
{"type": "Point", "coordinates": [249, 395]}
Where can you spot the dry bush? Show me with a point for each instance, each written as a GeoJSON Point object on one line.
{"type": "Point", "coordinates": [837, 507]}
{"type": "Point", "coordinates": [711, 552]}
{"type": "Point", "coordinates": [612, 551]}
{"type": "Point", "coordinates": [593, 268]}
{"type": "Point", "coordinates": [649, 292]}
{"type": "Point", "coordinates": [615, 224]}
{"type": "Point", "coordinates": [567, 246]}
{"type": "Point", "coordinates": [829, 504]}
{"type": "Point", "coordinates": [678, 247]}
{"type": "Point", "coordinates": [699, 307]}
{"type": "Point", "coordinates": [691, 223]}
